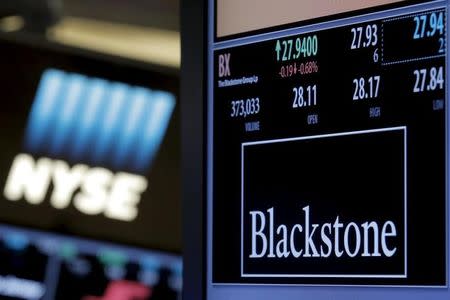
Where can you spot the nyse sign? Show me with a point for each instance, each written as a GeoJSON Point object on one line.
{"type": "Point", "coordinates": [89, 143]}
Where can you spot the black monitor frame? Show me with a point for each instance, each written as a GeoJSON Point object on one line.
{"type": "Point", "coordinates": [193, 120]}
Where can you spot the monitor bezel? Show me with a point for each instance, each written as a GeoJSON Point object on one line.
{"type": "Point", "coordinates": [193, 124]}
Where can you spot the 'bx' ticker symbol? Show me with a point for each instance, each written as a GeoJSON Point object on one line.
{"type": "Point", "coordinates": [224, 65]}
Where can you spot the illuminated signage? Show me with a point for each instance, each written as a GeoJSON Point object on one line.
{"type": "Point", "coordinates": [89, 142]}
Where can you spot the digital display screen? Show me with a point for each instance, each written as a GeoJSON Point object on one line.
{"type": "Point", "coordinates": [38, 265]}
{"type": "Point", "coordinates": [90, 146]}
{"type": "Point", "coordinates": [327, 154]}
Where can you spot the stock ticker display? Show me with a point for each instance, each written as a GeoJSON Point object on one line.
{"type": "Point", "coordinates": [329, 152]}
{"type": "Point", "coordinates": [38, 265]}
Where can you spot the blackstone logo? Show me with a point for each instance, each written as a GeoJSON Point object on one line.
{"type": "Point", "coordinates": [89, 141]}
{"type": "Point", "coordinates": [320, 211]}
{"type": "Point", "coordinates": [338, 239]}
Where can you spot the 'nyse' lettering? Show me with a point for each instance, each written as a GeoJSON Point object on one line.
{"type": "Point", "coordinates": [93, 190]}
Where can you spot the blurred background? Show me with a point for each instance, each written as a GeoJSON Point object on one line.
{"type": "Point", "coordinates": [157, 13]}
{"type": "Point", "coordinates": [90, 202]}
{"type": "Point", "coordinates": [146, 30]}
